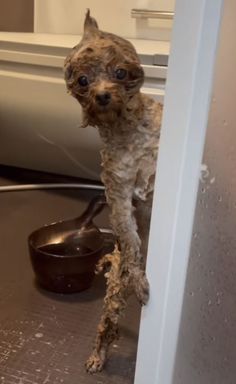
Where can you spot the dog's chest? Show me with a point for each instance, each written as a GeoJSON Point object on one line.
{"type": "Point", "coordinates": [131, 158]}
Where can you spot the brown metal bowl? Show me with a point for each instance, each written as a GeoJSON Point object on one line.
{"type": "Point", "coordinates": [64, 254]}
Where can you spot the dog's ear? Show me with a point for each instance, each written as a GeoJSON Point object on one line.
{"type": "Point", "coordinates": [136, 71]}
{"type": "Point", "coordinates": [90, 25]}
{"type": "Point", "coordinates": [135, 77]}
{"type": "Point", "coordinates": [68, 72]}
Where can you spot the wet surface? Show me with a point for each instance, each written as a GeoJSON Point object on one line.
{"type": "Point", "coordinates": [47, 337]}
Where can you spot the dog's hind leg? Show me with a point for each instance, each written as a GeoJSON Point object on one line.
{"type": "Point", "coordinates": [114, 304]}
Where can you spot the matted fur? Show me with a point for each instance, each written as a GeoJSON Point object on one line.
{"type": "Point", "coordinates": [129, 125]}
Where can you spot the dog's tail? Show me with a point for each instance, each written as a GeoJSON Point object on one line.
{"type": "Point", "coordinates": [90, 24]}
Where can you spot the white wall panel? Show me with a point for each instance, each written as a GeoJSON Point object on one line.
{"type": "Point", "coordinates": [187, 101]}
{"type": "Point", "coordinates": [63, 16]}
{"type": "Point", "coordinates": [207, 350]}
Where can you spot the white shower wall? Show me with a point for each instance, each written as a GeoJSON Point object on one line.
{"type": "Point", "coordinates": [63, 16]}
{"type": "Point", "coordinates": [207, 350]}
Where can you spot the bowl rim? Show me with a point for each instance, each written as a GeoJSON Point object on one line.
{"type": "Point", "coordinates": [103, 230]}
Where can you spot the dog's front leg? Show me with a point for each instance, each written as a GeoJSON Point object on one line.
{"type": "Point", "coordinates": [119, 189]}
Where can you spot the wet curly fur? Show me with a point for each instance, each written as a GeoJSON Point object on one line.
{"type": "Point", "coordinates": [104, 74]}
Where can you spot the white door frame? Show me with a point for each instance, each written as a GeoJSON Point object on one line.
{"type": "Point", "coordinates": [188, 91]}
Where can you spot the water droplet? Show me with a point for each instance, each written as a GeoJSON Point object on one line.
{"type": "Point", "coordinates": [204, 172]}
{"type": "Point", "coordinates": [209, 302]}
{"type": "Point", "coordinates": [213, 179]}
{"type": "Point", "coordinates": [191, 293]}
{"type": "Point", "coordinates": [219, 198]}
{"type": "Point", "coordinates": [39, 335]}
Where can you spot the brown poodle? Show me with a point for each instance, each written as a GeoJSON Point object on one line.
{"type": "Point", "coordinates": [104, 74]}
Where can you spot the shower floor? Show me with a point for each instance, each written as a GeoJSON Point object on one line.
{"type": "Point", "coordinates": [45, 338]}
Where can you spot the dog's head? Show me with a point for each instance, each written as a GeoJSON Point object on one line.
{"type": "Point", "coordinates": [103, 73]}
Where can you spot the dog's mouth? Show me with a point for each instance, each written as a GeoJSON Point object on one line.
{"type": "Point", "coordinates": [104, 108]}
{"type": "Point", "coordinates": [105, 102]}
{"type": "Point", "coordinates": [102, 114]}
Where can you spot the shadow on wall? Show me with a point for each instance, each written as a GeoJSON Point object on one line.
{"type": "Point", "coordinates": [17, 15]}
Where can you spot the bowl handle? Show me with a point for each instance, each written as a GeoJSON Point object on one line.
{"type": "Point", "coordinates": [95, 206]}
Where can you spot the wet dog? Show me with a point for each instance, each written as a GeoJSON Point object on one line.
{"type": "Point", "coordinates": [104, 74]}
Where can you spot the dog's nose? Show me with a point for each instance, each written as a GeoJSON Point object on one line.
{"type": "Point", "coordinates": [103, 98]}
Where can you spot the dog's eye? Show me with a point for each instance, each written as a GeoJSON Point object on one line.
{"type": "Point", "coordinates": [121, 73]}
{"type": "Point", "coordinates": [83, 81]}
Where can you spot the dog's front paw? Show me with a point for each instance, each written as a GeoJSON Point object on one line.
{"type": "Point", "coordinates": [141, 286]}
{"type": "Point", "coordinates": [94, 363]}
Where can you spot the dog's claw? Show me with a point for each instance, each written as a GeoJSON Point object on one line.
{"type": "Point", "coordinates": [94, 363]}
